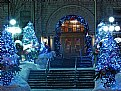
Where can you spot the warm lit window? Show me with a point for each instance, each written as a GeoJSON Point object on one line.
{"type": "Point", "coordinates": [72, 26]}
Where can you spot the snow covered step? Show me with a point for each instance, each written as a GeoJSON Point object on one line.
{"type": "Point", "coordinates": [56, 78]}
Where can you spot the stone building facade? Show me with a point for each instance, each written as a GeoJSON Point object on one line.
{"type": "Point", "coordinates": [46, 13]}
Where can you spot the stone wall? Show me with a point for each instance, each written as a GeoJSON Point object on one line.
{"type": "Point", "coordinates": [46, 13]}
{"type": "Point", "coordinates": [3, 14]}
{"type": "Point", "coordinates": [54, 10]}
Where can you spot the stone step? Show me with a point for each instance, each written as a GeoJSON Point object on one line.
{"type": "Point", "coordinates": [83, 61]}
{"type": "Point", "coordinates": [83, 78]}
{"type": "Point", "coordinates": [62, 87]}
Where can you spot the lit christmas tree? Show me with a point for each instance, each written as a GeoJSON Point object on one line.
{"type": "Point", "coordinates": [8, 58]}
{"type": "Point", "coordinates": [30, 42]}
{"type": "Point", "coordinates": [108, 57]}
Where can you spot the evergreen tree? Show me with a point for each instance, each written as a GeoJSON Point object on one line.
{"type": "Point", "coordinates": [30, 42]}
{"type": "Point", "coordinates": [8, 58]}
{"type": "Point", "coordinates": [108, 57]}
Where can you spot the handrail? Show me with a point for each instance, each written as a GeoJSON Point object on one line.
{"type": "Point", "coordinates": [75, 80]}
{"type": "Point", "coordinates": [47, 69]}
{"type": "Point", "coordinates": [76, 64]}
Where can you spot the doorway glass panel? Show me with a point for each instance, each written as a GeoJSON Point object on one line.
{"type": "Point", "coordinates": [72, 38]}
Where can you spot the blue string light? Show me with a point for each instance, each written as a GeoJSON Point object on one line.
{"type": "Point", "coordinates": [108, 57]}
{"type": "Point", "coordinates": [7, 62]}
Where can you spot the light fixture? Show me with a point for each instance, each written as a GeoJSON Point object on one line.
{"type": "Point", "coordinates": [117, 28]}
{"type": "Point", "coordinates": [45, 39]}
{"type": "Point", "coordinates": [73, 21]}
{"type": "Point", "coordinates": [12, 21]}
{"type": "Point", "coordinates": [111, 28]}
{"type": "Point", "coordinates": [105, 28]}
{"type": "Point", "coordinates": [78, 26]}
{"type": "Point", "coordinates": [111, 19]}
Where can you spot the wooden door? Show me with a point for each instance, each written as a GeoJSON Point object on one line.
{"type": "Point", "coordinates": [72, 45]}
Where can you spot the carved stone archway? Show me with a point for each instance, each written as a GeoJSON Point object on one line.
{"type": "Point", "coordinates": [69, 10]}
{"type": "Point", "coordinates": [75, 10]}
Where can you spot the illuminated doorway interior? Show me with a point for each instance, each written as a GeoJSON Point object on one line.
{"type": "Point", "coordinates": [72, 38]}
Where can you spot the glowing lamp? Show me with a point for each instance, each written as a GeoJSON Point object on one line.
{"type": "Point", "coordinates": [74, 21]}
{"type": "Point", "coordinates": [111, 19]}
{"type": "Point", "coordinates": [105, 28]}
{"type": "Point", "coordinates": [111, 28]}
{"type": "Point", "coordinates": [12, 21]}
{"type": "Point", "coordinates": [117, 28]}
{"type": "Point", "coordinates": [45, 39]}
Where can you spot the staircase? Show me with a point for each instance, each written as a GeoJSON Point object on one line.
{"type": "Point", "coordinates": [62, 78]}
{"type": "Point", "coordinates": [84, 61]}
{"type": "Point", "coordinates": [81, 62]}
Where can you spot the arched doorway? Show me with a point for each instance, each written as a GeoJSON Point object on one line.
{"type": "Point", "coordinates": [70, 36]}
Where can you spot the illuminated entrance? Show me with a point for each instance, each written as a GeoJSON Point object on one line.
{"type": "Point", "coordinates": [72, 37]}
{"type": "Point", "coordinates": [70, 32]}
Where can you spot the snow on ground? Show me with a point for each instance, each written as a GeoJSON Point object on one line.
{"type": "Point", "coordinates": [27, 66]}
{"type": "Point", "coordinates": [19, 83]}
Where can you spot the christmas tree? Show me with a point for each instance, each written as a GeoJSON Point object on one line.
{"type": "Point", "coordinates": [30, 42]}
{"type": "Point", "coordinates": [8, 58]}
{"type": "Point", "coordinates": [108, 57]}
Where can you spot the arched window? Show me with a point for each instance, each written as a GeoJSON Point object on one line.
{"type": "Point", "coordinates": [72, 25]}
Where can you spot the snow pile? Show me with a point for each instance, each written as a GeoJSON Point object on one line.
{"type": "Point", "coordinates": [17, 84]}
{"type": "Point", "coordinates": [26, 67]}
{"type": "Point", "coordinates": [44, 58]}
